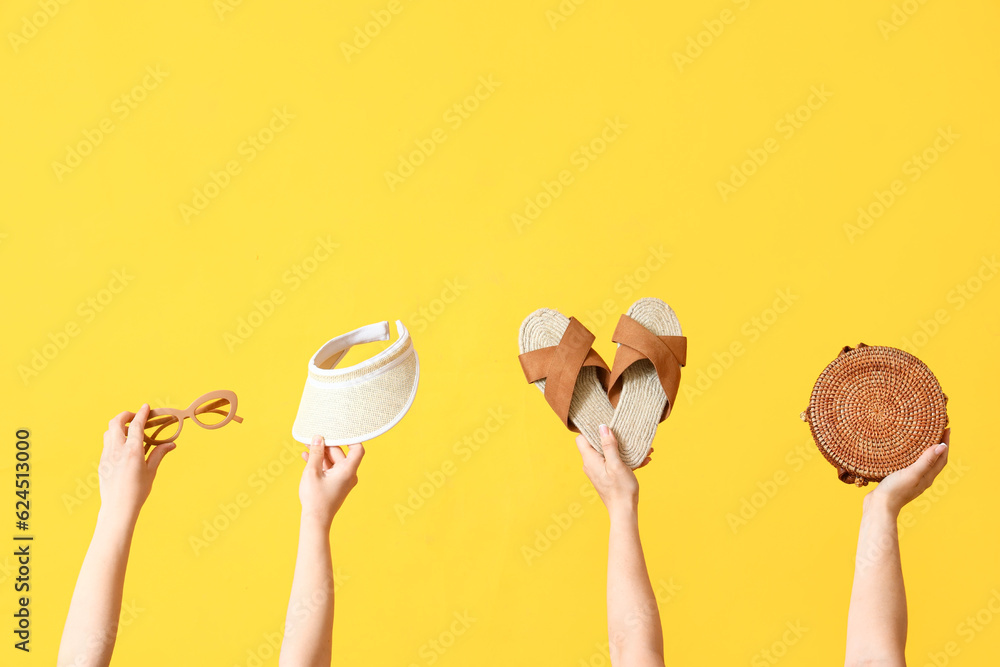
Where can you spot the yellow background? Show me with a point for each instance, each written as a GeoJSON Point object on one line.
{"type": "Point", "coordinates": [162, 338]}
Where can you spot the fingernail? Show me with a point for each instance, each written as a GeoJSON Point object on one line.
{"type": "Point", "coordinates": [603, 429]}
{"type": "Point", "coordinates": [942, 448]}
{"type": "Point", "coordinates": [317, 439]}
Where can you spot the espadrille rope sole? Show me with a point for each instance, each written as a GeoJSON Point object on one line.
{"type": "Point", "coordinates": [589, 406]}
{"type": "Point", "coordinates": [642, 402]}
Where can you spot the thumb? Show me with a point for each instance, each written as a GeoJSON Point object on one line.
{"type": "Point", "coordinates": [937, 461]}
{"type": "Point", "coordinates": [609, 445]}
{"type": "Point", "coordinates": [587, 453]}
{"type": "Point", "coordinates": [927, 460]}
{"type": "Point", "coordinates": [157, 455]}
{"type": "Point", "coordinates": [355, 453]}
{"type": "Point", "coordinates": [317, 451]}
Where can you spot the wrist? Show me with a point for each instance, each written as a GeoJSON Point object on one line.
{"type": "Point", "coordinates": [313, 520]}
{"type": "Point", "coordinates": [875, 504]}
{"type": "Point", "coordinates": [624, 512]}
{"type": "Point", "coordinates": [116, 521]}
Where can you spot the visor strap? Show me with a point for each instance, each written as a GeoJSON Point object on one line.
{"type": "Point", "coordinates": [334, 351]}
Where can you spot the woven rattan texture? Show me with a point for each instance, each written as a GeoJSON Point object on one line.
{"type": "Point", "coordinates": [874, 410]}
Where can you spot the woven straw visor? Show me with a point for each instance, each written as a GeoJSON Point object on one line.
{"type": "Point", "coordinates": [360, 402]}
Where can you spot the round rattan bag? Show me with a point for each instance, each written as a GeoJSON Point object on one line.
{"type": "Point", "coordinates": [874, 410]}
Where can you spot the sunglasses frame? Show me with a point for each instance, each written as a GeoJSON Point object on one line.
{"type": "Point", "coordinates": [190, 412]}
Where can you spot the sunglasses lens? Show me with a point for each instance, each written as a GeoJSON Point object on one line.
{"type": "Point", "coordinates": [162, 428]}
{"type": "Point", "coordinates": [213, 411]}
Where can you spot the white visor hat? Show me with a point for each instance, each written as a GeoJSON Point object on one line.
{"type": "Point", "coordinates": [360, 402]}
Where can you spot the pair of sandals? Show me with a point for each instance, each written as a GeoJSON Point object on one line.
{"type": "Point", "coordinates": [632, 397]}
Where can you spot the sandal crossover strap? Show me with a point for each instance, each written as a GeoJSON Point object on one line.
{"type": "Point", "coordinates": [668, 354]}
{"type": "Point", "coordinates": [560, 365]}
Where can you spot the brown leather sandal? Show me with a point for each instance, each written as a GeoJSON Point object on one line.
{"type": "Point", "coordinates": [645, 375]}
{"type": "Point", "coordinates": [557, 357]}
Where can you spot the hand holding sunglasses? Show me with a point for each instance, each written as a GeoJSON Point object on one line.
{"type": "Point", "coordinates": [213, 410]}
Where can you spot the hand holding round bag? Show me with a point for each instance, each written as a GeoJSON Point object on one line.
{"type": "Point", "coordinates": [874, 410]}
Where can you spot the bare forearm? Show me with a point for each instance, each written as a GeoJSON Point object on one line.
{"type": "Point", "coordinates": [309, 623]}
{"type": "Point", "coordinates": [634, 628]}
{"type": "Point", "coordinates": [876, 622]}
{"type": "Point", "coordinates": [92, 623]}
